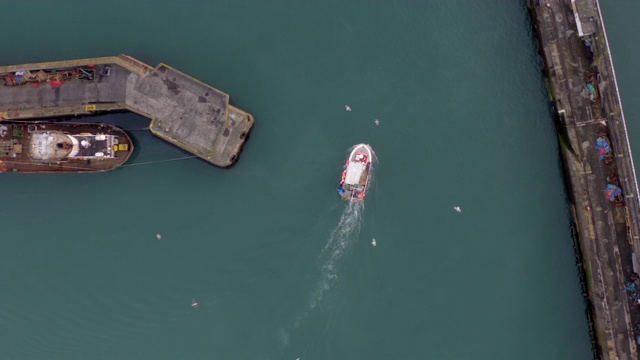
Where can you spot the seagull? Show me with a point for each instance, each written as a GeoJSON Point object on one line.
{"type": "Point", "coordinates": [457, 208]}
{"type": "Point", "coordinates": [158, 236]}
{"type": "Point", "coordinates": [194, 303]}
{"type": "Point", "coordinates": [347, 107]}
{"type": "Point", "coordinates": [377, 122]}
{"type": "Point", "coordinates": [374, 242]}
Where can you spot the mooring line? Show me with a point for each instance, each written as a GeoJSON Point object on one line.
{"type": "Point", "coordinates": [161, 161]}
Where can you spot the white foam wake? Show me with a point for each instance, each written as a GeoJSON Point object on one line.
{"type": "Point", "coordinates": [341, 240]}
{"type": "Point", "coordinates": [342, 236]}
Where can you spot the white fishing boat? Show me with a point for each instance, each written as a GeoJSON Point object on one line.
{"type": "Point", "coordinates": [356, 174]}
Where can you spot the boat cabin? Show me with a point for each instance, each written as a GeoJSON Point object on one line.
{"type": "Point", "coordinates": [56, 146]}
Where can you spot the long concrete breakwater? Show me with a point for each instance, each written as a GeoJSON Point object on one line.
{"type": "Point", "coordinates": [599, 168]}
{"type": "Point", "coordinates": [182, 110]}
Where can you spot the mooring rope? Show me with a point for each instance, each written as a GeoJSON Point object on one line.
{"type": "Point", "coordinates": [161, 161]}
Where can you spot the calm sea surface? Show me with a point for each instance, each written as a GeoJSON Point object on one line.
{"type": "Point", "coordinates": [280, 266]}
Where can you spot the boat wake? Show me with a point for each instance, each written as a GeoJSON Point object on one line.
{"type": "Point", "coordinates": [341, 236]}
{"type": "Point", "coordinates": [341, 240]}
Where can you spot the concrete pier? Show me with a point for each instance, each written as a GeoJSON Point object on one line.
{"type": "Point", "coordinates": [182, 110]}
{"type": "Point", "coordinates": [583, 89]}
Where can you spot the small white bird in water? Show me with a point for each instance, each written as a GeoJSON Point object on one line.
{"type": "Point", "coordinates": [158, 236]}
{"type": "Point", "coordinates": [457, 208]}
{"type": "Point", "coordinates": [377, 122]}
{"type": "Point", "coordinates": [374, 242]}
{"type": "Point", "coordinates": [194, 303]}
{"type": "Point", "coordinates": [347, 107]}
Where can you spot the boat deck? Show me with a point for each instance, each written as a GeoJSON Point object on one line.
{"type": "Point", "coordinates": [18, 152]}
{"type": "Point", "coordinates": [183, 110]}
{"type": "Point", "coordinates": [356, 176]}
{"type": "Point", "coordinates": [350, 190]}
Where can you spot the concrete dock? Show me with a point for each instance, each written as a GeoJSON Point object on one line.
{"type": "Point", "coordinates": [182, 110]}
{"type": "Point", "coordinates": [583, 89]}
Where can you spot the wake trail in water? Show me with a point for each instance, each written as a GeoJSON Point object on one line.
{"type": "Point", "coordinates": [340, 241]}
{"type": "Point", "coordinates": [341, 238]}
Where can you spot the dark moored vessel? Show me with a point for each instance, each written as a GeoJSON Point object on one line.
{"type": "Point", "coordinates": [52, 147]}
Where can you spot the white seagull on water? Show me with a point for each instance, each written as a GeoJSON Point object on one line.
{"type": "Point", "coordinates": [457, 208]}
{"type": "Point", "coordinates": [347, 107]}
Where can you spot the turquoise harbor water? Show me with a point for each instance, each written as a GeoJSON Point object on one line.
{"type": "Point", "coordinates": [282, 268]}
